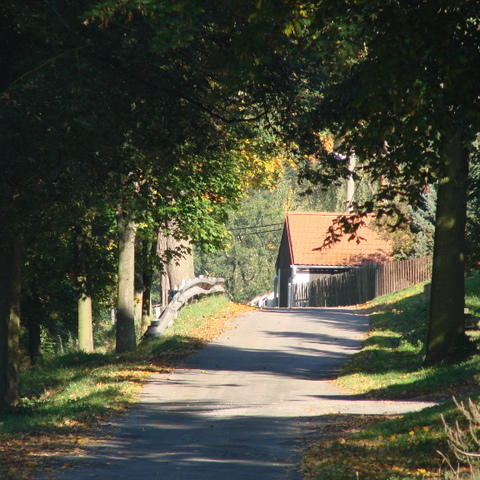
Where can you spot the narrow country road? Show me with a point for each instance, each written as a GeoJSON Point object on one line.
{"type": "Point", "coordinates": [239, 408]}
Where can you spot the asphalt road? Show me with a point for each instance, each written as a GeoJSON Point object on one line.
{"type": "Point", "coordinates": [239, 408]}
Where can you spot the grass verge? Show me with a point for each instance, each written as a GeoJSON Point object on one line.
{"type": "Point", "coordinates": [389, 366]}
{"type": "Point", "coordinates": [66, 397]}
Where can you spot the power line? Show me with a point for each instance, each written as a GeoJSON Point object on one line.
{"type": "Point", "coordinates": [256, 227]}
{"type": "Point", "coordinates": [259, 232]}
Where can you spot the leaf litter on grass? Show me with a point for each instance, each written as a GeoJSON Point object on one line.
{"type": "Point", "coordinates": [340, 450]}
{"type": "Point", "coordinates": [25, 455]}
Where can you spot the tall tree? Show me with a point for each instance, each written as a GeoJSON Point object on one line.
{"type": "Point", "coordinates": [10, 286]}
{"type": "Point", "coordinates": [125, 332]}
{"type": "Point", "coordinates": [53, 123]}
{"type": "Point", "coordinates": [403, 95]}
{"type": "Point", "coordinates": [79, 103]}
{"type": "Point", "coordinates": [207, 79]}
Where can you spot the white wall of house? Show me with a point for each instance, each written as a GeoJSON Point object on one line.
{"type": "Point", "coordinates": [302, 277]}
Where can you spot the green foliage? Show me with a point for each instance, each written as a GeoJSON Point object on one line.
{"type": "Point", "coordinates": [379, 107]}
{"type": "Point", "coordinates": [134, 113]}
{"type": "Point", "coordinates": [376, 104]}
{"type": "Point", "coordinates": [473, 220]}
{"type": "Point", "coordinates": [422, 223]}
{"type": "Point", "coordinates": [178, 18]}
{"type": "Point", "coordinates": [247, 261]}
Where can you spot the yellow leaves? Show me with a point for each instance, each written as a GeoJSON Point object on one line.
{"type": "Point", "coordinates": [128, 375]}
{"type": "Point", "coordinates": [339, 453]}
{"type": "Point", "coordinates": [111, 245]}
{"type": "Point", "coordinates": [256, 167]}
{"type": "Point", "coordinates": [72, 423]}
{"type": "Point", "coordinates": [214, 199]}
{"type": "Point", "coordinates": [289, 29]}
{"type": "Point", "coordinates": [290, 163]}
{"type": "Point", "coordinates": [25, 456]}
{"type": "Point", "coordinates": [327, 140]}
{"type": "Point", "coordinates": [214, 326]}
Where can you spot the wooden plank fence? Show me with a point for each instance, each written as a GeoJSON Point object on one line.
{"type": "Point", "coordinates": [394, 276]}
{"type": "Point", "coordinates": [361, 284]}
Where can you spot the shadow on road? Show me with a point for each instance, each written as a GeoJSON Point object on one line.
{"type": "Point", "coordinates": [239, 408]}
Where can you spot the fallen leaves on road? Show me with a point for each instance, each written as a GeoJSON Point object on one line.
{"type": "Point", "coordinates": [216, 325]}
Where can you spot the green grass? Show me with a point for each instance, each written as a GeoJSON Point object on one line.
{"type": "Point", "coordinates": [389, 366]}
{"type": "Point", "coordinates": [69, 394]}
{"type": "Point", "coordinates": [390, 362]}
{"type": "Point", "coordinates": [65, 397]}
{"type": "Point", "coordinates": [74, 391]}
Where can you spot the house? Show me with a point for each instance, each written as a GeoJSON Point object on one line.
{"type": "Point", "coordinates": [300, 259]}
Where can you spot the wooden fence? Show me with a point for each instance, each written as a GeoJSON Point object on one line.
{"type": "Point", "coordinates": [361, 284]}
{"type": "Point", "coordinates": [394, 276]}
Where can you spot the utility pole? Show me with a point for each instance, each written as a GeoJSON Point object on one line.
{"type": "Point", "coordinates": [352, 163]}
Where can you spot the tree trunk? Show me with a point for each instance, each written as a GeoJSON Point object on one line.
{"type": "Point", "coordinates": [34, 342]}
{"type": "Point", "coordinates": [85, 323]}
{"type": "Point", "coordinates": [176, 267]}
{"type": "Point", "coordinates": [125, 332]}
{"type": "Point", "coordinates": [10, 293]}
{"type": "Point", "coordinates": [84, 301]}
{"type": "Point", "coordinates": [146, 301]}
{"type": "Point", "coordinates": [446, 331]}
{"type": "Point", "coordinates": [181, 269]}
{"type": "Point", "coordinates": [144, 261]}
{"type": "Point", "coordinates": [32, 314]}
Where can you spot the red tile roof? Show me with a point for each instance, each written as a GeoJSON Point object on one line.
{"type": "Point", "coordinates": [306, 232]}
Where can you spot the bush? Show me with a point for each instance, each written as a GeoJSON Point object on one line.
{"type": "Point", "coordinates": [463, 440]}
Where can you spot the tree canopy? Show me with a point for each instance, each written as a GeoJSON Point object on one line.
{"type": "Point", "coordinates": [402, 96]}
{"type": "Point", "coordinates": [150, 113]}
{"type": "Point", "coordinates": [168, 111]}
